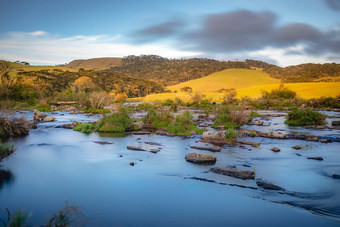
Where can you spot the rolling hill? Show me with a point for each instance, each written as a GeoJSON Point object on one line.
{"type": "Point", "coordinates": [94, 63]}
{"type": "Point", "coordinates": [226, 79]}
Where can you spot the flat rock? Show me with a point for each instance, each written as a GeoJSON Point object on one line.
{"type": "Point", "coordinates": [237, 173]}
{"type": "Point", "coordinates": [315, 158]}
{"type": "Point", "coordinates": [213, 149]}
{"type": "Point", "coordinates": [38, 115]}
{"type": "Point", "coordinates": [276, 149]}
{"type": "Point", "coordinates": [153, 143]}
{"type": "Point", "coordinates": [135, 148]}
{"type": "Point", "coordinates": [335, 123]}
{"type": "Point", "coordinates": [253, 144]}
{"type": "Point", "coordinates": [195, 157]}
{"type": "Point", "coordinates": [141, 133]}
{"type": "Point", "coordinates": [268, 186]}
{"type": "Point", "coordinates": [163, 132]}
{"type": "Point", "coordinates": [102, 142]}
{"type": "Point", "coordinates": [49, 119]}
{"type": "Point", "coordinates": [297, 147]}
{"type": "Point", "coordinates": [214, 137]}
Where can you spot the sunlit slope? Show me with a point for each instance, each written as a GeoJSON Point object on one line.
{"type": "Point", "coordinates": [94, 63]}
{"type": "Point", "coordinates": [303, 90]}
{"type": "Point", "coordinates": [229, 78]}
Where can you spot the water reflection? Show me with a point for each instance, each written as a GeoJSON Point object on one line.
{"type": "Point", "coordinates": [6, 177]}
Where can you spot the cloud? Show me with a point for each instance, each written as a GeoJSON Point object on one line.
{"type": "Point", "coordinates": [43, 48]}
{"type": "Point", "coordinates": [333, 4]}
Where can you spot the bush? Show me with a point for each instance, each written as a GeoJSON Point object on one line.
{"type": "Point", "coordinates": [158, 119]}
{"type": "Point", "coordinates": [86, 128]}
{"type": "Point", "coordinates": [96, 111]}
{"type": "Point", "coordinates": [231, 134]}
{"type": "Point", "coordinates": [304, 117]}
{"type": "Point", "coordinates": [117, 122]}
{"type": "Point", "coordinates": [183, 125]}
{"type": "Point", "coordinates": [282, 92]}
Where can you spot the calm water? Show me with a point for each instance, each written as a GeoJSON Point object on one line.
{"type": "Point", "coordinates": [53, 165]}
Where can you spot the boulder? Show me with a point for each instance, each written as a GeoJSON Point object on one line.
{"type": "Point", "coordinates": [132, 163]}
{"type": "Point", "coordinates": [49, 119]}
{"type": "Point", "coordinates": [200, 158]}
{"type": "Point", "coordinates": [237, 173]}
{"type": "Point", "coordinates": [70, 126]}
{"type": "Point", "coordinates": [214, 137]}
{"type": "Point", "coordinates": [258, 122]}
{"type": "Point", "coordinates": [276, 149]}
{"type": "Point", "coordinates": [297, 147]}
{"type": "Point", "coordinates": [38, 115]}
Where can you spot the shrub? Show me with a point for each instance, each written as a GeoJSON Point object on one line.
{"type": "Point", "coordinates": [86, 128]}
{"type": "Point", "coordinates": [99, 100]}
{"type": "Point", "coordinates": [282, 92]}
{"type": "Point", "coordinates": [231, 134]}
{"type": "Point", "coordinates": [117, 122]}
{"type": "Point", "coordinates": [183, 125]}
{"type": "Point", "coordinates": [96, 111]}
{"type": "Point", "coordinates": [158, 119]}
{"type": "Point", "coordinates": [121, 97]}
{"type": "Point", "coordinates": [304, 117]}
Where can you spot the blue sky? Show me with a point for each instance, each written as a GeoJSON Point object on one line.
{"type": "Point", "coordinates": [281, 32]}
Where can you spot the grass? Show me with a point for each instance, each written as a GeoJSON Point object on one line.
{"type": "Point", "coordinates": [226, 79]}
{"type": "Point", "coordinates": [6, 149]}
{"type": "Point", "coordinates": [86, 128]}
{"type": "Point", "coordinates": [305, 117]}
{"type": "Point", "coordinates": [117, 122]}
{"type": "Point", "coordinates": [159, 120]}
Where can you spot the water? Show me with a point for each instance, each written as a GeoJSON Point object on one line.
{"type": "Point", "coordinates": [54, 165]}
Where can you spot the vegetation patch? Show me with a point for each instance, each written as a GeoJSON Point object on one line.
{"type": "Point", "coordinates": [183, 125]}
{"type": "Point", "coordinates": [305, 117]}
{"type": "Point", "coordinates": [6, 149]}
{"type": "Point", "coordinates": [86, 128]}
{"type": "Point", "coordinates": [117, 122]}
{"type": "Point", "coordinates": [159, 120]}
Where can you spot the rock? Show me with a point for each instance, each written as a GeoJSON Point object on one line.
{"type": "Point", "coordinates": [276, 149]}
{"type": "Point", "coordinates": [141, 133]}
{"type": "Point", "coordinates": [89, 114]}
{"type": "Point", "coordinates": [268, 186]}
{"type": "Point", "coordinates": [163, 132]}
{"type": "Point", "coordinates": [312, 138]}
{"type": "Point", "coordinates": [277, 135]}
{"type": "Point", "coordinates": [253, 144]}
{"type": "Point", "coordinates": [38, 115]}
{"type": "Point", "coordinates": [54, 112]}
{"type": "Point", "coordinates": [74, 112]}
{"type": "Point", "coordinates": [138, 124]}
{"type": "Point", "coordinates": [259, 122]}
{"type": "Point", "coordinates": [49, 119]}
{"type": "Point", "coordinates": [241, 174]}
{"type": "Point", "coordinates": [315, 158]}
{"type": "Point", "coordinates": [336, 176]}
{"type": "Point", "coordinates": [70, 126]}
{"type": "Point", "coordinates": [213, 149]}
{"type": "Point", "coordinates": [214, 137]}
{"type": "Point", "coordinates": [297, 147]}
{"type": "Point", "coordinates": [102, 142]}
{"type": "Point", "coordinates": [132, 163]}
{"type": "Point", "coordinates": [324, 140]}
{"type": "Point", "coordinates": [153, 143]}
{"type": "Point", "coordinates": [335, 123]}
{"type": "Point", "coordinates": [120, 156]}
{"type": "Point", "coordinates": [155, 151]}
{"type": "Point", "coordinates": [200, 158]}
{"type": "Point", "coordinates": [148, 127]}
{"type": "Point", "coordinates": [135, 148]}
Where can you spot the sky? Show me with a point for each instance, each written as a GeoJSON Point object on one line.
{"type": "Point", "coordinates": [282, 32]}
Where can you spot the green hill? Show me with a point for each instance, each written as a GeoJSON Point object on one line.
{"type": "Point", "coordinates": [94, 63]}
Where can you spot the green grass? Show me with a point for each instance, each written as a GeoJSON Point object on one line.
{"type": "Point", "coordinates": [96, 111]}
{"type": "Point", "coordinates": [86, 128]}
{"type": "Point", "coordinates": [159, 120]}
{"type": "Point", "coordinates": [6, 149]}
{"type": "Point", "coordinates": [117, 122]}
{"type": "Point", "coordinates": [305, 117]}
{"type": "Point", "coordinates": [183, 125]}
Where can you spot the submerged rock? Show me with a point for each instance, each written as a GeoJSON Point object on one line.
{"type": "Point", "coordinates": [237, 173]}
{"type": "Point", "coordinates": [213, 149]}
{"type": "Point", "coordinates": [195, 157]}
{"type": "Point", "coordinates": [253, 144]}
{"type": "Point", "coordinates": [315, 158]}
{"type": "Point", "coordinates": [141, 133]}
{"type": "Point", "coordinates": [135, 148]}
{"type": "Point", "coordinates": [276, 149]}
{"type": "Point", "coordinates": [336, 176]}
{"type": "Point", "coordinates": [268, 186]}
{"type": "Point", "coordinates": [297, 147]}
{"type": "Point", "coordinates": [132, 163]}
{"type": "Point", "coordinates": [102, 142]}
{"type": "Point", "coordinates": [153, 143]}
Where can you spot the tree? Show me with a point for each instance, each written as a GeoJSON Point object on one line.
{"type": "Point", "coordinates": [83, 84]}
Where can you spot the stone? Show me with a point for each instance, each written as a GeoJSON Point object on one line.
{"type": "Point", "coordinates": [315, 158]}
{"type": "Point", "coordinates": [258, 122]}
{"type": "Point", "coordinates": [297, 147]}
{"type": "Point", "coordinates": [253, 144]}
{"type": "Point", "coordinates": [213, 149]}
{"type": "Point", "coordinates": [336, 176]}
{"type": "Point", "coordinates": [38, 115]}
{"type": "Point", "coordinates": [153, 143]}
{"type": "Point", "coordinates": [49, 119]}
{"type": "Point", "coordinates": [135, 148]}
{"type": "Point", "coordinates": [268, 186]}
{"type": "Point", "coordinates": [102, 142]}
{"type": "Point", "coordinates": [335, 123]}
{"type": "Point", "coordinates": [237, 173]}
{"type": "Point", "coordinates": [141, 133]}
{"type": "Point", "coordinates": [324, 140]}
{"type": "Point", "coordinates": [276, 149]}
{"type": "Point", "coordinates": [163, 132]}
{"type": "Point", "coordinates": [200, 158]}
{"type": "Point", "coordinates": [214, 137]}
{"type": "Point", "coordinates": [132, 163]}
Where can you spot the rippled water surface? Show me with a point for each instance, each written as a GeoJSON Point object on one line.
{"type": "Point", "coordinates": [54, 165]}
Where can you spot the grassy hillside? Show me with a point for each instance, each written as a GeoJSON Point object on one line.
{"type": "Point", "coordinates": [94, 63]}
{"type": "Point", "coordinates": [229, 78]}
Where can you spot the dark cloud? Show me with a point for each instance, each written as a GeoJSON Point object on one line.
{"type": "Point", "coordinates": [244, 30]}
{"type": "Point", "coordinates": [333, 4]}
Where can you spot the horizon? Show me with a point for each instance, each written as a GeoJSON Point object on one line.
{"type": "Point", "coordinates": [281, 33]}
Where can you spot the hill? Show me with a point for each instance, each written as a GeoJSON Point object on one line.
{"type": "Point", "coordinates": [94, 63]}
{"type": "Point", "coordinates": [227, 79]}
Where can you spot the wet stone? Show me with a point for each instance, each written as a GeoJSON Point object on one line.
{"type": "Point", "coordinates": [315, 158]}
{"type": "Point", "coordinates": [276, 149]}
{"type": "Point", "coordinates": [231, 172]}
{"type": "Point", "coordinates": [200, 158]}
{"type": "Point", "coordinates": [297, 147]}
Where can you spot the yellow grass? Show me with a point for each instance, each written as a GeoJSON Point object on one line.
{"type": "Point", "coordinates": [303, 90]}
{"type": "Point", "coordinates": [15, 70]}
{"type": "Point", "coordinates": [229, 78]}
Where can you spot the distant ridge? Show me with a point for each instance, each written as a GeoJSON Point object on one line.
{"type": "Point", "coordinates": [94, 63]}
